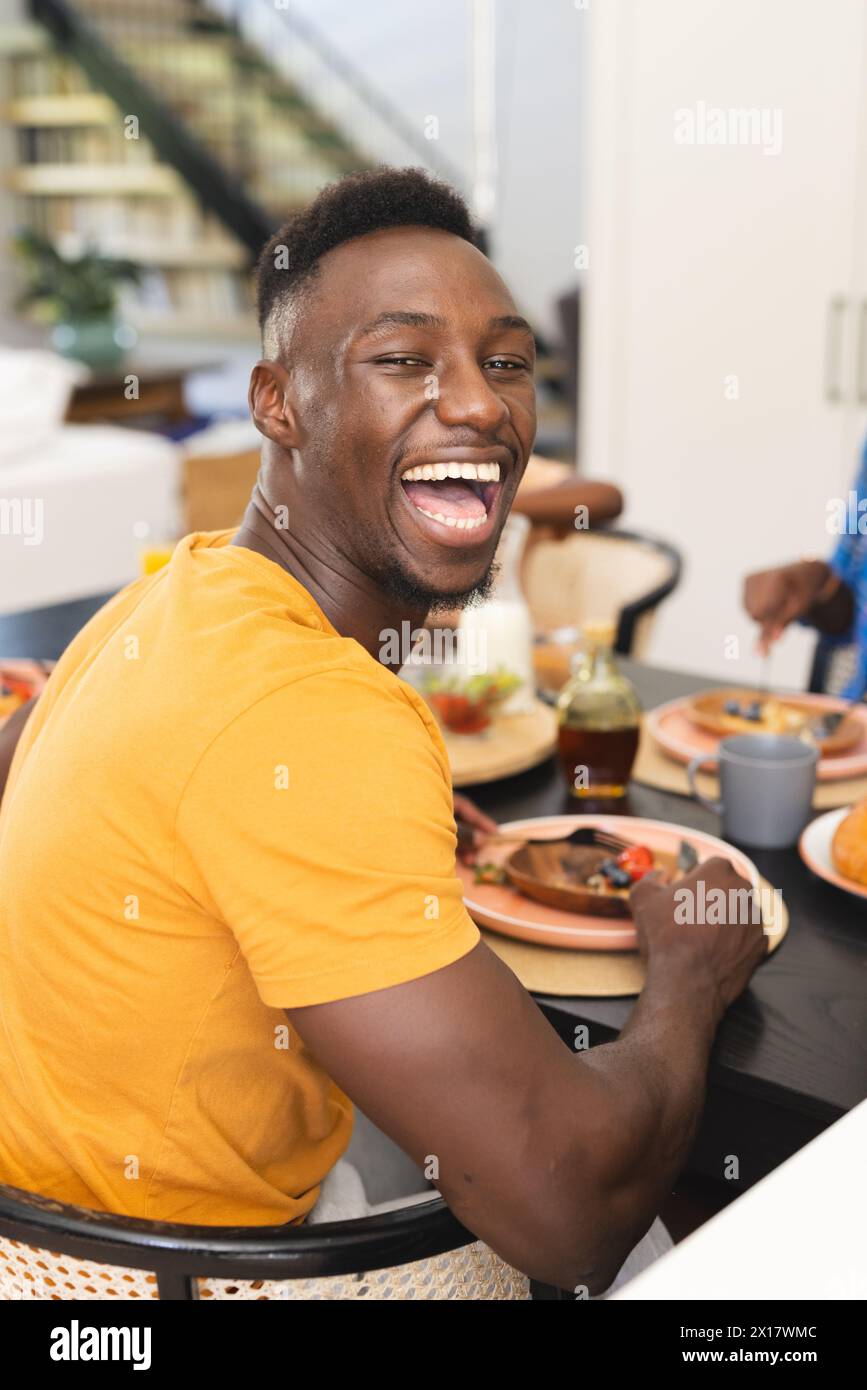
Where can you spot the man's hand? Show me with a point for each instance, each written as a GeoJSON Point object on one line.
{"type": "Point", "coordinates": [725, 955]}
{"type": "Point", "coordinates": [558, 1157]}
{"type": "Point", "coordinates": [777, 597]}
{"type": "Point", "coordinates": [473, 825]}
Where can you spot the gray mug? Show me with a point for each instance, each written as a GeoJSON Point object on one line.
{"type": "Point", "coordinates": [766, 788]}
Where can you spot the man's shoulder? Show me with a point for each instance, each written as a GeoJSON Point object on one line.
{"type": "Point", "coordinates": [349, 685]}
{"type": "Point", "coordinates": [346, 718]}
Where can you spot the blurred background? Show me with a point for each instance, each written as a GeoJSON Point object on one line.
{"type": "Point", "coordinates": [674, 192]}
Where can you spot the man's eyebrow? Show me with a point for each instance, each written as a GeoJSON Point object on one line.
{"type": "Point", "coordinates": [402, 318]}
{"type": "Point", "coordinates": [411, 318]}
{"type": "Point", "coordinates": [512, 321]}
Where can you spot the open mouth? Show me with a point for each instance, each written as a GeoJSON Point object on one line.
{"type": "Point", "coordinates": [459, 495]}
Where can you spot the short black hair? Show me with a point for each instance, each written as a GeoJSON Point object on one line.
{"type": "Point", "coordinates": [359, 203]}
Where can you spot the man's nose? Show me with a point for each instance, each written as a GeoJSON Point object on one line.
{"type": "Point", "coordinates": [465, 397]}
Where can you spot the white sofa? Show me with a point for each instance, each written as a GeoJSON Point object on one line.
{"type": "Point", "coordinates": [76, 501]}
{"type": "Point", "coordinates": [86, 500]}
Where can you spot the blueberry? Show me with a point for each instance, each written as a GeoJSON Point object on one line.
{"type": "Point", "coordinates": [753, 711]}
{"type": "Point", "coordinates": [617, 877]}
{"type": "Point", "coordinates": [732, 707]}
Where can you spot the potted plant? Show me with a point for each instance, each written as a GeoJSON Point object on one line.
{"type": "Point", "coordinates": [78, 295]}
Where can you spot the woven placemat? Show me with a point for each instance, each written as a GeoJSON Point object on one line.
{"type": "Point", "coordinates": [602, 974]}
{"type": "Point", "coordinates": [656, 769]}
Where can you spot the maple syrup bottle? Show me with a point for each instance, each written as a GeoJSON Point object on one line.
{"type": "Point", "coordinates": [599, 717]}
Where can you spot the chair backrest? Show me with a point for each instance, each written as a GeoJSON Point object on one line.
{"type": "Point", "coordinates": [168, 1260]}
{"type": "Point", "coordinates": [833, 667]}
{"type": "Point", "coordinates": [216, 489]}
{"type": "Point", "coordinates": [616, 575]}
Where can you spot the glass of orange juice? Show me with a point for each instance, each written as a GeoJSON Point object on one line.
{"type": "Point", "coordinates": [154, 555]}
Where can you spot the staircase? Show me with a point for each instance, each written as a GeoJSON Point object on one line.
{"type": "Point", "coordinates": [241, 110]}
{"type": "Point", "coordinates": [245, 138]}
{"type": "Point", "coordinates": [158, 130]}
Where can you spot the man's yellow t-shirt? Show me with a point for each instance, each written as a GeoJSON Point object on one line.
{"type": "Point", "coordinates": [218, 809]}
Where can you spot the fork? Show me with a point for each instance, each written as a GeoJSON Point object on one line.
{"type": "Point", "coordinates": [583, 835]}
{"type": "Point", "coordinates": [825, 725]}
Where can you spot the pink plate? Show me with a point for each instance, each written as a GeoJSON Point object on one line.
{"type": "Point", "coordinates": [505, 910]}
{"type": "Point", "coordinates": [681, 739]}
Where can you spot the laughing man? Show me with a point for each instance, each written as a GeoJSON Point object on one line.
{"type": "Point", "coordinates": [228, 898]}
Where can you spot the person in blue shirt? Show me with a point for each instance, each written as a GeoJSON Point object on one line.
{"type": "Point", "coordinates": [830, 595]}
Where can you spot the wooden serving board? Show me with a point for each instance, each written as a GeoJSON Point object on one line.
{"type": "Point", "coordinates": [511, 743]}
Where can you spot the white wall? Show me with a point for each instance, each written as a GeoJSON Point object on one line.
{"type": "Point", "coordinates": [712, 268]}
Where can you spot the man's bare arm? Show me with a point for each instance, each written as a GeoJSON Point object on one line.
{"type": "Point", "coordinates": [807, 590]}
{"type": "Point", "coordinates": [556, 504]}
{"type": "Point", "coordinates": [10, 733]}
{"type": "Point", "coordinates": [559, 1160]}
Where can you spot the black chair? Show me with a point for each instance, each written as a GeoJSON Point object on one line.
{"type": "Point", "coordinates": [53, 1250]}
{"type": "Point", "coordinates": [599, 574]}
{"type": "Point", "coordinates": [609, 574]}
{"type": "Point", "coordinates": [833, 667]}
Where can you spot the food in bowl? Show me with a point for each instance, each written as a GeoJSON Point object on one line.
{"type": "Point", "coordinates": [490, 873]}
{"type": "Point", "coordinates": [14, 692]}
{"type": "Point", "coordinates": [589, 878]}
{"type": "Point", "coordinates": [466, 706]}
{"type": "Point", "coordinates": [849, 846]}
{"type": "Point", "coordinates": [630, 865]}
{"type": "Point", "coordinates": [724, 712]}
{"type": "Point", "coordinates": [747, 713]}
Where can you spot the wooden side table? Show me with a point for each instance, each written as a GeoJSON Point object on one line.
{"type": "Point", "coordinates": [158, 398]}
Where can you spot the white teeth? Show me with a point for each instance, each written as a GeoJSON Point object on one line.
{"type": "Point", "coordinates": [438, 472]}
{"type": "Point", "coordinates": [463, 523]}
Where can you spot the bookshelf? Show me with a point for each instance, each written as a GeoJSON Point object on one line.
{"type": "Point", "coordinates": [78, 178]}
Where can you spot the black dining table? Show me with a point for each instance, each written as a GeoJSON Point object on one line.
{"type": "Point", "coordinates": [790, 1056]}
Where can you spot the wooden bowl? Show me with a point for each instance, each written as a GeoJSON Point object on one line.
{"type": "Point", "coordinates": [552, 874]}
{"type": "Point", "coordinates": [707, 711]}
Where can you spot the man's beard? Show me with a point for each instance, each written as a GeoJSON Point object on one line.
{"type": "Point", "coordinates": [414, 594]}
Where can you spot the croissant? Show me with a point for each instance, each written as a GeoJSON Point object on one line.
{"type": "Point", "coordinates": [849, 848]}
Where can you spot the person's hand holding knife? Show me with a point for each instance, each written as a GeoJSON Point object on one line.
{"type": "Point", "coordinates": [473, 826]}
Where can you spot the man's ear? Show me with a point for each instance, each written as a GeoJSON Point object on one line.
{"type": "Point", "coordinates": [270, 406]}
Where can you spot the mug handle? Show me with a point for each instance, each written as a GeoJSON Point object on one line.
{"type": "Point", "coordinates": [695, 766]}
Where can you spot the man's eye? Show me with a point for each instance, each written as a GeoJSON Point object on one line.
{"type": "Point", "coordinates": [500, 362]}
{"type": "Point", "coordinates": [403, 361]}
